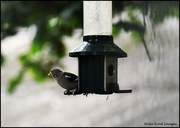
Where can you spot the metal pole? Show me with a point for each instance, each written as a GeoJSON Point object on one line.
{"type": "Point", "coordinates": [97, 17]}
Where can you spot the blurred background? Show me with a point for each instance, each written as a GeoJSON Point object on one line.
{"type": "Point", "coordinates": [37, 36]}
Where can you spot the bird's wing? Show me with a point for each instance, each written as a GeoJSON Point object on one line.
{"type": "Point", "coordinates": [71, 77]}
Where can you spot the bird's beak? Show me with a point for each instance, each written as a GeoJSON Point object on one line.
{"type": "Point", "coordinates": [49, 74]}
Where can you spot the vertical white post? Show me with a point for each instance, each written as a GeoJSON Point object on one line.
{"type": "Point", "coordinates": [97, 17]}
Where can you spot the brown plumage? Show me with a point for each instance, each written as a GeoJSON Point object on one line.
{"type": "Point", "coordinates": [66, 80]}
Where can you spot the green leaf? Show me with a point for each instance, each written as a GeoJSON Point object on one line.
{"type": "Point", "coordinates": [128, 26]}
{"type": "Point", "coordinates": [37, 74]}
{"type": "Point", "coordinates": [115, 31]}
{"type": "Point", "coordinates": [15, 81]}
{"type": "Point", "coordinates": [136, 36]}
{"type": "Point", "coordinates": [36, 47]}
{"type": "Point", "coordinates": [175, 12]}
{"type": "Point", "coordinates": [58, 48]}
{"type": "Point", "coordinates": [134, 19]}
{"type": "Point", "coordinates": [162, 9]}
{"type": "Point", "coordinates": [2, 59]}
{"type": "Point", "coordinates": [23, 58]}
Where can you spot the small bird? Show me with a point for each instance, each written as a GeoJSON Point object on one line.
{"type": "Point", "coordinates": [66, 80]}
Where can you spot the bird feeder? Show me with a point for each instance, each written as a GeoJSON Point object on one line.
{"type": "Point", "coordinates": [98, 54]}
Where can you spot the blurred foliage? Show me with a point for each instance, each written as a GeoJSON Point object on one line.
{"type": "Point", "coordinates": [54, 19]}
{"type": "Point", "coordinates": [15, 81]}
{"type": "Point", "coordinates": [2, 59]}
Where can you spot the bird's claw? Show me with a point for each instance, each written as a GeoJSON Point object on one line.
{"type": "Point", "coordinates": [73, 91]}
{"type": "Point", "coordinates": [69, 92]}
{"type": "Point", "coordinates": [66, 92]}
{"type": "Point", "coordinates": [86, 94]}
